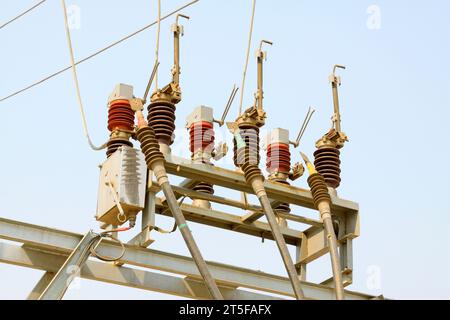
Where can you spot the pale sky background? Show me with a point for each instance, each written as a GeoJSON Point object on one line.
{"type": "Point", "coordinates": [394, 103]}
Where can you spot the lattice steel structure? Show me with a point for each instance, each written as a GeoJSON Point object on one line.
{"type": "Point", "coordinates": [47, 249]}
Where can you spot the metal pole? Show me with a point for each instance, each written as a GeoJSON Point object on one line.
{"type": "Point", "coordinates": [260, 82]}
{"type": "Point", "coordinates": [258, 186]}
{"type": "Point", "coordinates": [163, 181]}
{"type": "Point", "coordinates": [325, 213]}
{"type": "Point", "coordinates": [337, 114]}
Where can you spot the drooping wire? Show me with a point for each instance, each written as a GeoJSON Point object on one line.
{"type": "Point", "coordinates": [97, 52]}
{"type": "Point", "coordinates": [158, 33]}
{"type": "Point", "coordinates": [75, 80]}
{"type": "Point", "coordinates": [250, 34]}
{"type": "Point", "coordinates": [22, 14]}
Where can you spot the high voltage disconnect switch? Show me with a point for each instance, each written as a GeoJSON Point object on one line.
{"type": "Point", "coordinates": [135, 181]}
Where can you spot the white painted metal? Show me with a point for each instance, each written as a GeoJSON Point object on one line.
{"type": "Point", "coordinates": [64, 242]}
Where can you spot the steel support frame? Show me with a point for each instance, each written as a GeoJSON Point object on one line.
{"type": "Point", "coordinates": [47, 249]}
{"type": "Point", "coordinates": [311, 243]}
{"type": "Point", "coordinates": [46, 244]}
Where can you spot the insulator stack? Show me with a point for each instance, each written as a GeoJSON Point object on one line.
{"type": "Point", "coordinates": [278, 161]}
{"type": "Point", "coordinates": [319, 189]}
{"type": "Point", "coordinates": [149, 145]}
{"type": "Point", "coordinates": [278, 158]}
{"type": "Point", "coordinates": [201, 143]}
{"type": "Point", "coordinates": [161, 117]}
{"type": "Point", "coordinates": [204, 187]}
{"type": "Point", "coordinates": [202, 138]}
{"type": "Point", "coordinates": [327, 163]}
{"type": "Point", "coordinates": [249, 154]}
{"type": "Point", "coordinates": [120, 116]}
{"type": "Point", "coordinates": [200, 124]}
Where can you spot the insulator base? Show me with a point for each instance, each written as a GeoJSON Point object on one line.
{"type": "Point", "coordinates": [282, 207]}
{"type": "Point", "coordinates": [327, 163]}
{"type": "Point", "coordinates": [161, 118]}
{"type": "Point", "coordinates": [115, 144]}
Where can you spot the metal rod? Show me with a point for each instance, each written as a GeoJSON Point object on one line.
{"type": "Point", "coordinates": [260, 90]}
{"type": "Point", "coordinates": [150, 81]}
{"type": "Point", "coordinates": [325, 212]}
{"type": "Point", "coordinates": [163, 181]}
{"type": "Point", "coordinates": [229, 103]}
{"type": "Point", "coordinates": [308, 117]}
{"type": "Point", "coordinates": [335, 83]}
{"type": "Point", "coordinates": [258, 186]}
{"type": "Point", "coordinates": [177, 32]}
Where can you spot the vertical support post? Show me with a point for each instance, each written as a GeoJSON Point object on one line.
{"type": "Point", "coordinates": [301, 267]}
{"type": "Point", "coordinates": [143, 238]}
{"type": "Point", "coordinates": [346, 254]}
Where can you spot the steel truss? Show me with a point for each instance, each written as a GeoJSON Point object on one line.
{"type": "Point", "coordinates": [49, 249]}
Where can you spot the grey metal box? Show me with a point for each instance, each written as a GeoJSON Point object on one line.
{"type": "Point", "coordinates": [126, 171]}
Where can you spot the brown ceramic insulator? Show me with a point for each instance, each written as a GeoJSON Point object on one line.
{"type": "Point", "coordinates": [204, 187]}
{"type": "Point", "coordinates": [278, 158]}
{"type": "Point", "coordinates": [161, 117]}
{"type": "Point", "coordinates": [251, 171]}
{"type": "Point", "coordinates": [115, 144]}
{"type": "Point", "coordinates": [327, 163]}
{"type": "Point", "coordinates": [149, 145]}
{"type": "Point", "coordinates": [319, 189]}
{"type": "Point", "coordinates": [120, 116]}
{"type": "Point", "coordinates": [249, 154]}
{"type": "Point", "coordinates": [201, 137]}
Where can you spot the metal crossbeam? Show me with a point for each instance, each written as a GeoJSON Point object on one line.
{"type": "Point", "coordinates": [225, 221]}
{"type": "Point", "coordinates": [65, 242]}
{"type": "Point", "coordinates": [236, 181]}
{"type": "Point", "coordinates": [108, 273]}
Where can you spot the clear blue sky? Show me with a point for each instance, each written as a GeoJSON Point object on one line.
{"type": "Point", "coordinates": [395, 110]}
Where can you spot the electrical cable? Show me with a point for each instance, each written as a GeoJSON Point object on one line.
{"type": "Point", "coordinates": [158, 33]}
{"type": "Point", "coordinates": [97, 52]}
{"type": "Point", "coordinates": [96, 242]}
{"type": "Point", "coordinates": [250, 34]}
{"type": "Point", "coordinates": [175, 226]}
{"type": "Point", "coordinates": [22, 14]}
{"type": "Point", "coordinates": [77, 86]}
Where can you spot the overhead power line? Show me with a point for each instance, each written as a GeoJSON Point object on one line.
{"type": "Point", "coordinates": [22, 14]}
{"type": "Point", "coordinates": [97, 52]}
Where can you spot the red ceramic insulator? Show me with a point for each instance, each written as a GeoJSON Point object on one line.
{"type": "Point", "coordinates": [278, 158]}
{"type": "Point", "coordinates": [120, 116]}
{"type": "Point", "coordinates": [201, 137]}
